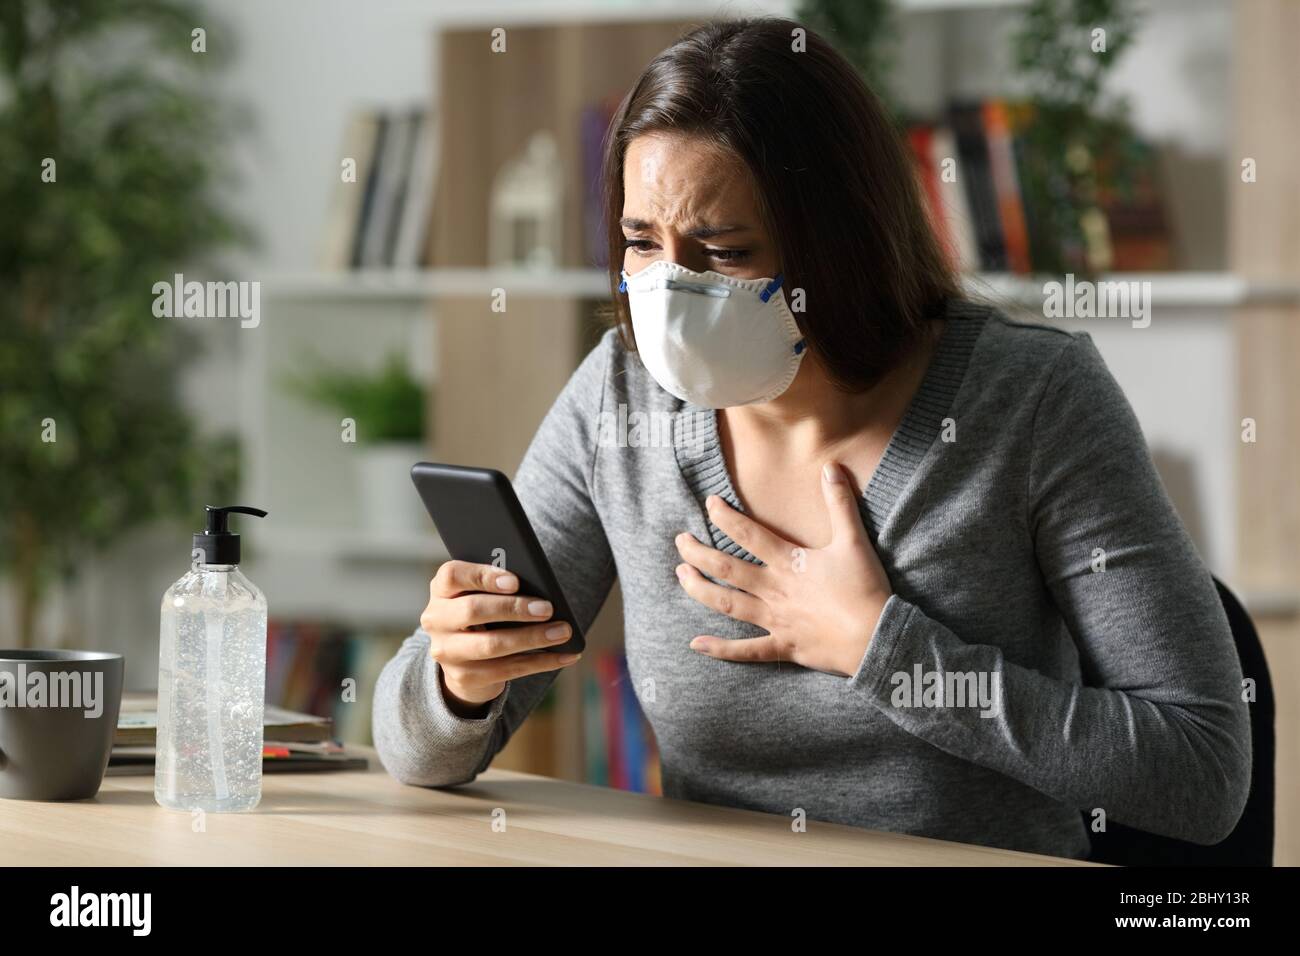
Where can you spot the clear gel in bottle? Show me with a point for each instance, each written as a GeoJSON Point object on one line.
{"type": "Point", "coordinates": [212, 679]}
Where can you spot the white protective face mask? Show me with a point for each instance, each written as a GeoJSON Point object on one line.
{"type": "Point", "coordinates": [711, 339]}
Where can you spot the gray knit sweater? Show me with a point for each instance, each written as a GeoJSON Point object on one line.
{"type": "Point", "coordinates": [1033, 554]}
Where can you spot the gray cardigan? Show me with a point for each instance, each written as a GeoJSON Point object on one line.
{"type": "Point", "coordinates": [1033, 554]}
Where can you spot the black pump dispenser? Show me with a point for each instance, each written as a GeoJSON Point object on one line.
{"type": "Point", "coordinates": [218, 544]}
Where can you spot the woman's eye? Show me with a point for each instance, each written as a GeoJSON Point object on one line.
{"type": "Point", "coordinates": [638, 245]}
{"type": "Point", "coordinates": [727, 255]}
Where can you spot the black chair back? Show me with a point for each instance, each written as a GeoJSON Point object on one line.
{"type": "Point", "coordinates": [1251, 842]}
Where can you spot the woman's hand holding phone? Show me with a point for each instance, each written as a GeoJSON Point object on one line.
{"type": "Point", "coordinates": [477, 662]}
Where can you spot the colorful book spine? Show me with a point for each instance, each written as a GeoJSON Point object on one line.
{"type": "Point", "coordinates": [620, 747]}
{"type": "Point", "coordinates": [593, 125]}
{"type": "Point", "coordinates": [1006, 187]}
{"type": "Point", "coordinates": [921, 139]}
{"type": "Point", "coordinates": [594, 732]}
{"type": "Point", "coordinates": [609, 675]}
{"type": "Point", "coordinates": [369, 201]}
{"type": "Point", "coordinates": [633, 733]}
{"type": "Point", "coordinates": [953, 200]}
{"type": "Point", "coordinates": [972, 149]}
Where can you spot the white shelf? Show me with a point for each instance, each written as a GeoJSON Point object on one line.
{"type": "Point", "coordinates": [1187, 290]}
{"type": "Point", "coordinates": [1193, 290]}
{"type": "Point", "coordinates": [434, 283]}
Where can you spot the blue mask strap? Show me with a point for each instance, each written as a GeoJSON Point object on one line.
{"type": "Point", "coordinates": [767, 293]}
{"type": "Point", "coordinates": [771, 288]}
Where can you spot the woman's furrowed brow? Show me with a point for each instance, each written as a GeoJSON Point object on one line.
{"type": "Point", "coordinates": [708, 231]}
{"type": "Point", "coordinates": [702, 231]}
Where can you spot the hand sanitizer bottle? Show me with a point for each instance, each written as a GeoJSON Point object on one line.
{"type": "Point", "coordinates": [212, 679]}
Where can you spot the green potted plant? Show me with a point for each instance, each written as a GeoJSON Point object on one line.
{"type": "Point", "coordinates": [110, 146]}
{"type": "Point", "coordinates": [1064, 51]}
{"type": "Point", "coordinates": [382, 415]}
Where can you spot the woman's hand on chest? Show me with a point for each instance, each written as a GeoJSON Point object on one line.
{"type": "Point", "coordinates": [819, 605]}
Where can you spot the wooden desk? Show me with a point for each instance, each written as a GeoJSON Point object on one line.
{"type": "Point", "coordinates": [367, 818]}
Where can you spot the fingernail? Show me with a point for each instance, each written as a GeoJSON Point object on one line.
{"type": "Point", "coordinates": [569, 658]}
{"type": "Point", "coordinates": [831, 473]}
{"type": "Point", "coordinates": [539, 608]}
{"type": "Point", "coordinates": [557, 632]}
{"type": "Point", "coordinates": [681, 571]}
{"type": "Point", "coordinates": [507, 582]}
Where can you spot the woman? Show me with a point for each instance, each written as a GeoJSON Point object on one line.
{"type": "Point", "coordinates": [904, 564]}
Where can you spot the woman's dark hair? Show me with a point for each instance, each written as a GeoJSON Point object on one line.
{"type": "Point", "coordinates": [835, 183]}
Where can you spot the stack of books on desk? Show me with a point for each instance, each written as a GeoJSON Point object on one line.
{"type": "Point", "coordinates": [292, 742]}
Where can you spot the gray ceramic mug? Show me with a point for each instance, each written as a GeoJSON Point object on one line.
{"type": "Point", "coordinates": [58, 713]}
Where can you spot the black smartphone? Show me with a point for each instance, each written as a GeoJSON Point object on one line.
{"type": "Point", "coordinates": [479, 519]}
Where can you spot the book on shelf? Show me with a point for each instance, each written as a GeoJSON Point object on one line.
{"type": "Point", "coordinates": [977, 167]}
{"type": "Point", "coordinates": [1006, 185]}
{"type": "Point", "coordinates": [379, 219]}
{"type": "Point", "coordinates": [973, 165]}
{"type": "Point", "coordinates": [1037, 233]}
{"type": "Point", "coordinates": [954, 204]}
{"type": "Point", "coordinates": [384, 192]}
{"type": "Point", "coordinates": [593, 126]}
{"type": "Point", "coordinates": [934, 150]}
{"type": "Point", "coordinates": [417, 203]}
{"type": "Point", "coordinates": [620, 748]}
{"type": "Point", "coordinates": [347, 197]}
{"type": "Point", "coordinates": [324, 668]}
{"type": "Point", "coordinates": [1134, 210]}
{"type": "Point", "coordinates": [369, 187]}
